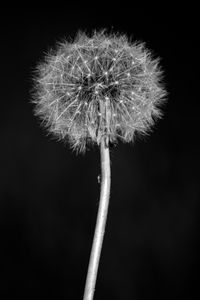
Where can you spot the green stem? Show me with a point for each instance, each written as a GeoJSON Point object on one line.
{"type": "Point", "coordinates": [100, 223]}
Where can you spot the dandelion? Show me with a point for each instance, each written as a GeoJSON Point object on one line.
{"type": "Point", "coordinates": [96, 90]}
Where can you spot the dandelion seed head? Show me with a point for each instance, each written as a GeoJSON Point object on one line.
{"type": "Point", "coordinates": [96, 86]}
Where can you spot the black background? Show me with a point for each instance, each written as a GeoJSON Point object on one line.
{"type": "Point", "coordinates": [49, 195]}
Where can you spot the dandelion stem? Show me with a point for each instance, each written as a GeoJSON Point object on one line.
{"type": "Point", "coordinates": [100, 223]}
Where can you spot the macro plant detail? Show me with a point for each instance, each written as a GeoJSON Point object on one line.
{"type": "Point", "coordinates": [95, 90]}
{"type": "Point", "coordinates": [98, 86]}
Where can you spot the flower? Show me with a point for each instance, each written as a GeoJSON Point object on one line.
{"type": "Point", "coordinates": [98, 86]}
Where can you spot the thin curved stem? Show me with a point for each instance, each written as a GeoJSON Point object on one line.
{"type": "Point", "coordinates": [100, 223]}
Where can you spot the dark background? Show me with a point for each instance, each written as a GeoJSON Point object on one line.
{"type": "Point", "coordinates": [49, 195]}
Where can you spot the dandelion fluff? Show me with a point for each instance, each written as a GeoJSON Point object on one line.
{"type": "Point", "coordinates": [98, 85]}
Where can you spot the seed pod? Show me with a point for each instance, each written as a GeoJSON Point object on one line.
{"type": "Point", "coordinates": [97, 86]}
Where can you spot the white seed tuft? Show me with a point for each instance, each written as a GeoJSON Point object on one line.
{"type": "Point", "coordinates": [71, 89]}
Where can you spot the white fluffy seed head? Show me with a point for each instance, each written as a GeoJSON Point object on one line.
{"type": "Point", "coordinates": [96, 86]}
